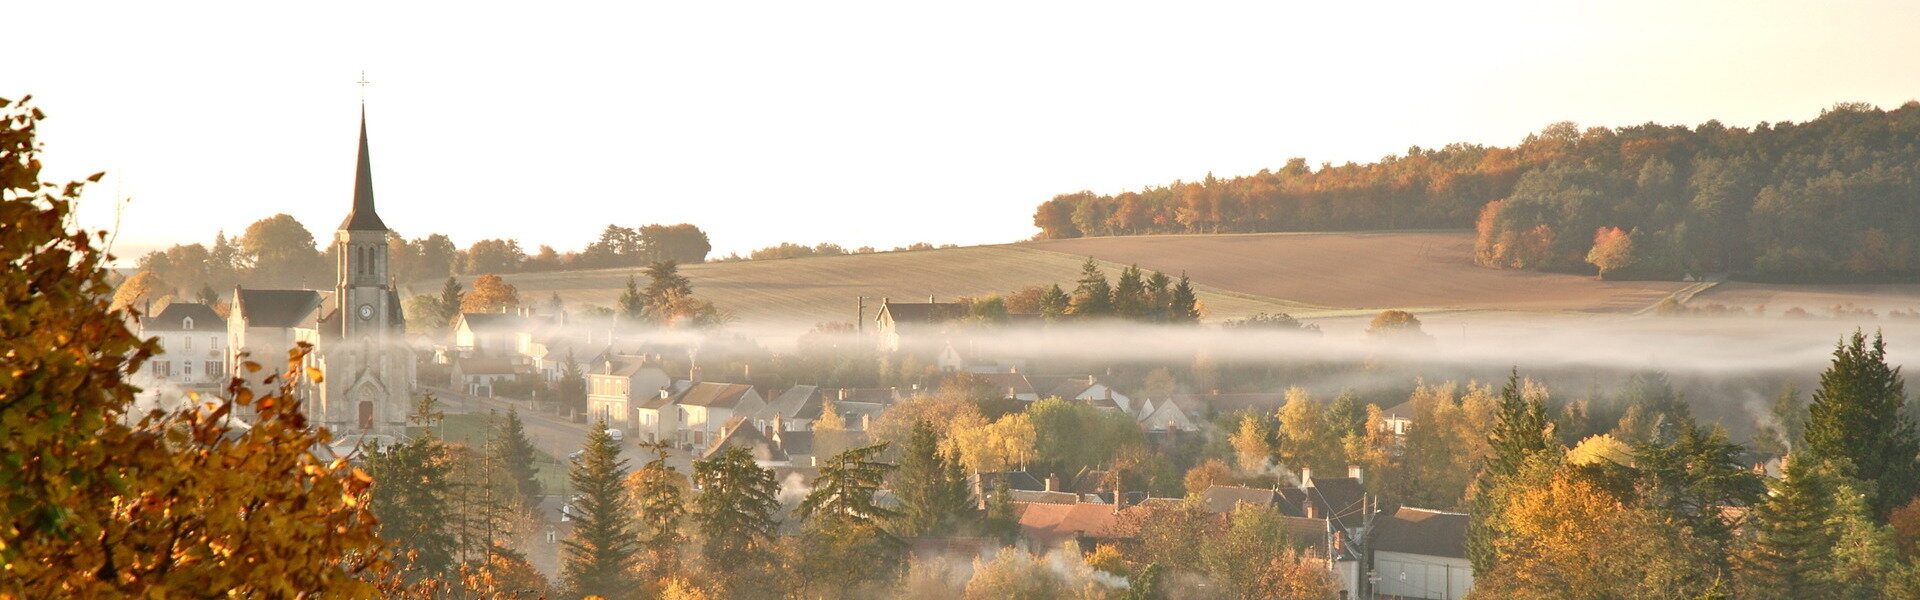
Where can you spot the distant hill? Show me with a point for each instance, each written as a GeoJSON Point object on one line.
{"type": "Point", "coordinates": [1306, 275]}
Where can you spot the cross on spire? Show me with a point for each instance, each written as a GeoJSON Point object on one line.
{"type": "Point", "coordinates": [363, 86]}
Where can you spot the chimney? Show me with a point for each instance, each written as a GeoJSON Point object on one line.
{"type": "Point", "coordinates": [866, 422]}
{"type": "Point", "coordinates": [1306, 478]}
{"type": "Point", "coordinates": [1053, 482]}
{"type": "Point", "coordinates": [843, 394]}
{"type": "Point", "coordinates": [929, 299]}
{"type": "Point", "coordinates": [693, 374]}
{"type": "Point", "coordinates": [666, 392]}
{"type": "Point", "coordinates": [1308, 505]}
{"type": "Point", "coordinates": [1357, 474]}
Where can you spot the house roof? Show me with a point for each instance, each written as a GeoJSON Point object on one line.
{"type": "Point", "coordinates": [1223, 498]}
{"type": "Point", "coordinates": [921, 312]}
{"type": "Point", "coordinates": [494, 322]}
{"type": "Point", "coordinates": [1015, 383]}
{"type": "Point", "coordinates": [490, 365]}
{"type": "Point", "coordinates": [740, 436]}
{"type": "Point", "coordinates": [794, 442]}
{"type": "Point", "coordinates": [277, 308]}
{"type": "Point", "coordinates": [715, 395]}
{"type": "Point", "coordinates": [1054, 523]}
{"type": "Point", "coordinates": [185, 316]}
{"type": "Point", "coordinates": [1016, 480]}
{"type": "Point", "coordinates": [789, 404]}
{"type": "Point", "coordinates": [1403, 410]}
{"type": "Point", "coordinates": [1043, 497]}
{"type": "Point", "coordinates": [1422, 531]}
{"type": "Point", "coordinates": [1342, 499]}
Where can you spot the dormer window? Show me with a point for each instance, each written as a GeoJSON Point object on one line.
{"type": "Point", "coordinates": [186, 323]}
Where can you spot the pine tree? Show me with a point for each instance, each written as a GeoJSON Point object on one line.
{"type": "Point", "coordinates": [1184, 307]}
{"type": "Point", "coordinates": [932, 487]}
{"type": "Point", "coordinates": [572, 386]}
{"type": "Point", "coordinates": [451, 297]}
{"type": "Point", "coordinates": [514, 454]}
{"type": "Point", "coordinates": [734, 511]}
{"type": "Point", "coordinates": [1159, 296]}
{"type": "Point", "coordinates": [602, 546]}
{"type": "Point", "coordinates": [846, 546]}
{"type": "Point", "coordinates": [1130, 295]}
{"type": "Point", "coordinates": [411, 490]}
{"type": "Point", "coordinates": [1520, 432]}
{"type": "Point", "coordinates": [1054, 304]}
{"type": "Point", "coordinates": [660, 490]}
{"type": "Point", "coordinates": [664, 281]}
{"type": "Point", "coordinates": [632, 306]}
{"type": "Point", "coordinates": [1858, 425]}
{"type": "Point", "coordinates": [1691, 479]}
{"type": "Point", "coordinates": [1789, 557]}
{"type": "Point", "coordinates": [1093, 298]}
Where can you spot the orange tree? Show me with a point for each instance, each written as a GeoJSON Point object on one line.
{"type": "Point", "coordinates": [96, 502]}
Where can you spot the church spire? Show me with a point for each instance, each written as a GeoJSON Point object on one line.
{"type": "Point", "coordinates": [363, 217]}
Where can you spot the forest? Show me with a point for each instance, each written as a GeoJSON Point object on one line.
{"type": "Point", "coordinates": [1832, 199]}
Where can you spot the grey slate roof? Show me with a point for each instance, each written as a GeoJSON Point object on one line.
{"type": "Point", "coordinates": [923, 312]}
{"type": "Point", "coordinates": [277, 308]}
{"type": "Point", "coordinates": [363, 217]}
{"type": "Point", "coordinates": [1422, 531]}
{"type": "Point", "coordinates": [174, 318]}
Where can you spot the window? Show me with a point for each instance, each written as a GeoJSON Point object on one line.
{"type": "Point", "coordinates": [186, 368]}
{"type": "Point", "coordinates": [186, 342]}
{"type": "Point", "coordinates": [162, 368]}
{"type": "Point", "coordinates": [215, 367]}
{"type": "Point", "coordinates": [213, 342]}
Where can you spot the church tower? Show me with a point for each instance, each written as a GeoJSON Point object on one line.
{"type": "Point", "coordinates": [369, 369]}
{"type": "Point", "coordinates": [363, 288]}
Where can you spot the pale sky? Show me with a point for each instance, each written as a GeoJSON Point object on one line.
{"type": "Point", "coordinates": [878, 123]}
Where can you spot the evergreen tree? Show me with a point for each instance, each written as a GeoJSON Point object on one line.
{"type": "Point", "coordinates": [932, 487]}
{"type": "Point", "coordinates": [1054, 304]}
{"type": "Point", "coordinates": [660, 491]}
{"type": "Point", "coordinates": [1520, 432]}
{"type": "Point", "coordinates": [1159, 296]}
{"type": "Point", "coordinates": [734, 511]}
{"type": "Point", "coordinates": [572, 387]}
{"type": "Point", "coordinates": [632, 307]}
{"type": "Point", "coordinates": [1347, 416]}
{"type": "Point", "coordinates": [846, 548]}
{"type": "Point", "coordinates": [412, 486]}
{"type": "Point", "coordinates": [451, 297]}
{"type": "Point", "coordinates": [1001, 522]}
{"type": "Point", "coordinates": [1130, 295]}
{"type": "Point", "coordinates": [1857, 423]}
{"type": "Point", "coordinates": [602, 546]}
{"type": "Point", "coordinates": [665, 284]}
{"type": "Point", "coordinates": [1789, 557]}
{"type": "Point", "coordinates": [1691, 479]}
{"type": "Point", "coordinates": [1093, 298]}
{"type": "Point", "coordinates": [514, 453]}
{"type": "Point", "coordinates": [1184, 307]}
{"type": "Point", "coordinates": [208, 296]}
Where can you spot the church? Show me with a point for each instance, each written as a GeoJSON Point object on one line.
{"type": "Point", "coordinates": [357, 330]}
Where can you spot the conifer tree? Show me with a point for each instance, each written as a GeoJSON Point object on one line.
{"type": "Point", "coordinates": [1093, 297]}
{"type": "Point", "coordinates": [843, 494]}
{"type": "Point", "coordinates": [451, 297]}
{"type": "Point", "coordinates": [514, 454]}
{"type": "Point", "coordinates": [632, 306]}
{"type": "Point", "coordinates": [1159, 296]}
{"type": "Point", "coordinates": [1857, 423]}
{"type": "Point", "coordinates": [1184, 307]}
{"type": "Point", "coordinates": [932, 487]}
{"type": "Point", "coordinates": [1789, 556]}
{"type": "Point", "coordinates": [664, 281]}
{"type": "Point", "coordinates": [734, 511]}
{"type": "Point", "coordinates": [1130, 295]}
{"type": "Point", "coordinates": [412, 488]}
{"type": "Point", "coordinates": [602, 546]}
{"type": "Point", "coordinates": [1054, 304]}
{"type": "Point", "coordinates": [660, 491]}
{"type": "Point", "coordinates": [1521, 431]}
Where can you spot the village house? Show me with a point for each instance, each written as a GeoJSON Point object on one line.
{"type": "Point", "coordinates": [1421, 553]}
{"type": "Point", "coordinates": [1087, 388]}
{"type": "Point", "coordinates": [618, 385]}
{"type": "Point", "coordinates": [490, 334]}
{"type": "Point", "coordinates": [658, 418]}
{"type": "Point", "coordinates": [477, 376]}
{"type": "Point", "coordinates": [193, 346]}
{"type": "Point", "coordinates": [1168, 417]}
{"type": "Point", "coordinates": [898, 324]}
{"type": "Point", "coordinates": [706, 406]}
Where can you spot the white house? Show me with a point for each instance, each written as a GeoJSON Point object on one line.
{"type": "Point", "coordinates": [706, 406]}
{"type": "Point", "coordinates": [620, 384]}
{"type": "Point", "coordinates": [193, 345]}
{"type": "Point", "coordinates": [1091, 388]}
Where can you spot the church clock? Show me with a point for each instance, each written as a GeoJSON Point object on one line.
{"type": "Point", "coordinates": [366, 312]}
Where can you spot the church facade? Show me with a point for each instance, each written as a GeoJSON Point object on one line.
{"type": "Point", "coordinates": [357, 329]}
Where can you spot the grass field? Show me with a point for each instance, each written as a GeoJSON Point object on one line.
{"type": "Point", "coordinates": [804, 291]}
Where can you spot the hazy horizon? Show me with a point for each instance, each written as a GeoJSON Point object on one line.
{"type": "Point", "coordinates": [852, 124]}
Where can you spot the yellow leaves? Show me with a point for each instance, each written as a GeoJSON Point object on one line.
{"type": "Point", "coordinates": [314, 375]}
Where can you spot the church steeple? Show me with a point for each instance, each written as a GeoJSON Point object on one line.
{"type": "Point", "coordinates": [363, 217]}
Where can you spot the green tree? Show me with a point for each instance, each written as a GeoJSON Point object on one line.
{"type": "Point", "coordinates": [1093, 297]}
{"type": "Point", "coordinates": [660, 491]}
{"type": "Point", "coordinates": [846, 546]}
{"type": "Point", "coordinates": [514, 453]}
{"type": "Point", "coordinates": [1130, 299]}
{"type": "Point", "coordinates": [280, 252]}
{"type": "Point", "coordinates": [1238, 556]}
{"type": "Point", "coordinates": [1159, 296]}
{"type": "Point", "coordinates": [1857, 422]}
{"type": "Point", "coordinates": [734, 513]}
{"type": "Point", "coordinates": [1054, 303]}
{"type": "Point", "coordinates": [1520, 433]}
{"type": "Point", "coordinates": [931, 486]}
{"type": "Point", "coordinates": [451, 299]}
{"type": "Point", "coordinates": [602, 546]}
{"type": "Point", "coordinates": [1791, 551]}
{"type": "Point", "coordinates": [632, 307]}
{"type": "Point", "coordinates": [1184, 307]}
{"type": "Point", "coordinates": [1693, 479]}
{"type": "Point", "coordinates": [412, 488]}
{"type": "Point", "coordinates": [572, 387]}
{"type": "Point", "coordinates": [664, 283]}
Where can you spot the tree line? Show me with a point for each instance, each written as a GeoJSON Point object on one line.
{"type": "Point", "coordinates": [1829, 199]}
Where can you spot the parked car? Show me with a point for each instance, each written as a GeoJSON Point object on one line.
{"type": "Point", "coordinates": [616, 434]}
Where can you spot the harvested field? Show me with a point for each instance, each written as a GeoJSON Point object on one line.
{"type": "Point", "coordinates": [800, 292]}
{"type": "Point", "coordinates": [1819, 300]}
{"type": "Point", "coordinates": [1409, 270]}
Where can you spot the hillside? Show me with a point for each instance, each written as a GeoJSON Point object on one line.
{"type": "Point", "coordinates": [800, 292]}
{"type": "Point", "coordinates": [1237, 275]}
